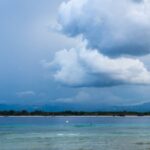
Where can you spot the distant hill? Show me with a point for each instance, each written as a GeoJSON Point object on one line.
{"type": "Point", "coordinates": [145, 107]}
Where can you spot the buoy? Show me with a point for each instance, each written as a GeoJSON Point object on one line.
{"type": "Point", "coordinates": [67, 121]}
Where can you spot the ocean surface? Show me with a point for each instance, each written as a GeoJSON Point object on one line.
{"type": "Point", "coordinates": [74, 133]}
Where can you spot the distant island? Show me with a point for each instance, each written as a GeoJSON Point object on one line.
{"type": "Point", "coordinates": [71, 113]}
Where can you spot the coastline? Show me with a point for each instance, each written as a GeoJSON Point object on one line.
{"type": "Point", "coordinates": [92, 116]}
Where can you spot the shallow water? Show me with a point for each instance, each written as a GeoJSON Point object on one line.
{"type": "Point", "coordinates": [80, 133]}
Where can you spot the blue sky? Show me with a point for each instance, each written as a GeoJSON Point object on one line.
{"type": "Point", "coordinates": [50, 55]}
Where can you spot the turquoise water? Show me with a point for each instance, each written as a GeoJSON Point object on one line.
{"type": "Point", "coordinates": [79, 133]}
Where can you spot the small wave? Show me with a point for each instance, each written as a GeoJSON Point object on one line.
{"type": "Point", "coordinates": [60, 134]}
{"type": "Point", "coordinates": [67, 134]}
{"type": "Point", "coordinates": [84, 125]}
{"type": "Point", "coordinates": [143, 143]}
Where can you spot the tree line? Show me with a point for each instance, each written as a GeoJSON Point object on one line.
{"type": "Point", "coordinates": [71, 113]}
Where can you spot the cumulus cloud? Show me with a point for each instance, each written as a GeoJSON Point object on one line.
{"type": "Point", "coordinates": [114, 28]}
{"type": "Point", "coordinates": [106, 29]}
{"type": "Point", "coordinates": [82, 67]}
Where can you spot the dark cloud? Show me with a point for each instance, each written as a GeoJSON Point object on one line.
{"type": "Point", "coordinates": [112, 28]}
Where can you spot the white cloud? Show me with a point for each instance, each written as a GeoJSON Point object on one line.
{"type": "Point", "coordinates": [82, 67]}
{"type": "Point", "coordinates": [24, 94]}
{"type": "Point", "coordinates": [114, 28]}
{"type": "Point", "coordinates": [107, 29]}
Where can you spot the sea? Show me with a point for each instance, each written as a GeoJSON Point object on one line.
{"type": "Point", "coordinates": [75, 133]}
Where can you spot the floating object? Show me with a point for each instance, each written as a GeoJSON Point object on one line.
{"type": "Point", "coordinates": [67, 121]}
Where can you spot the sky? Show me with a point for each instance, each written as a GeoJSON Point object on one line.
{"type": "Point", "coordinates": [74, 53]}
